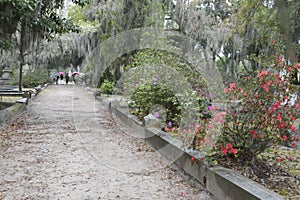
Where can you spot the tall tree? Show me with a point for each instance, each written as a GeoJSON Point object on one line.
{"type": "Point", "coordinates": [30, 21]}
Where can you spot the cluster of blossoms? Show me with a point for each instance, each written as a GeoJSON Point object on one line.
{"type": "Point", "coordinates": [262, 113]}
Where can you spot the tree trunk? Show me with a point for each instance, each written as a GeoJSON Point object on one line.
{"type": "Point", "coordinates": [22, 47]}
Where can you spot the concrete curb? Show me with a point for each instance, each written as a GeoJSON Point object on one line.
{"type": "Point", "coordinates": [224, 184]}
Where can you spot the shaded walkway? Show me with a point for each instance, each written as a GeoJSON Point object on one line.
{"type": "Point", "coordinates": [67, 146]}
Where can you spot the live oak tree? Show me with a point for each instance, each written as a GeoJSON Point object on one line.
{"type": "Point", "coordinates": [24, 23]}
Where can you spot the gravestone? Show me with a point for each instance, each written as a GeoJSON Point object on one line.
{"type": "Point", "coordinates": [6, 80]}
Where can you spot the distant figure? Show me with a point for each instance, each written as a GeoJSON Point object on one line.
{"type": "Point", "coordinates": [56, 80]}
{"type": "Point", "coordinates": [67, 78]}
{"type": "Point", "coordinates": [74, 78]}
{"type": "Point", "coordinates": [54, 77]}
{"type": "Point", "coordinates": [61, 78]}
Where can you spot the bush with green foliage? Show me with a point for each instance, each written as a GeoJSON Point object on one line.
{"type": "Point", "coordinates": [35, 78]}
{"type": "Point", "coordinates": [154, 77]}
{"type": "Point", "coordinates": [148, 95]}
{"type": "Point", "coordinates": [107, 87]}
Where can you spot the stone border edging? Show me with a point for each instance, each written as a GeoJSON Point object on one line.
{"type": "Point", "coordinates": [223, 183]}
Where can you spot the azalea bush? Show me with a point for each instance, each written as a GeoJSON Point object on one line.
{"type": "Point", "coordinates": [262, 112]}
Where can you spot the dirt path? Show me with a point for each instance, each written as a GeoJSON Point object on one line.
{"type": "Point", "coordinates": [67, 146]}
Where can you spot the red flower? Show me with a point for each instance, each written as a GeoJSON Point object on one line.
{"type": "Point", "coordinates": [224, 150]}
{"type": "Point", "coordinates": [293, 128]}
{"type": "Point", "coordinates": [282, 125]}
{"type": "Point", "coordinates": [228, 146]}
{"type": "Point", "coordinates": [277, 104]}
{"type": "Point", "coordinates": [232, 150]}
{"type": "Point", "coordinates": [294, 144]}
{"type": "Point", "coordinates": [284, 138]}
{"type": "Point", "coordinates": [253, 132]}
{"type": "Point", "coordinates": [193, 160]}
{"type": "Point", "coordinates": [265, 87]}
{"type": "Point", "coordinates": [296, 138]}
{"type": "Point", "coordinates": [278, 159]}
{"type": "Point", "coordinates": [279, 117]}
{"type": "Point", "coordinates": [269, 83]}
{"type": "Point", "coordinates": [262, 73]}
{"type": "Point", "coordinates": [232, 86]}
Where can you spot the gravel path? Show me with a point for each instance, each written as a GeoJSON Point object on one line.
{"type": "Point", "coordinates": [67, 146]}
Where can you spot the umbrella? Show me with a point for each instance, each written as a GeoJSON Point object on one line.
{"type": "Point", "coordinates": [61, 73]}
{"type": "Point", "coordinates": [75, 73]}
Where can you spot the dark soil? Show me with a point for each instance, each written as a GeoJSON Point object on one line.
{"type": "Point", "coordinates": [267, 174]}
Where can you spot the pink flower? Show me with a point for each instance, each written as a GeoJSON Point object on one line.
{"type": "Point", "coordinates": [269, 83]}
{"type": "Point", "coordinates": [282, 125]}
{"type": "Point", "coordinates": [232, 86]}
{"type": "Point", "coordinates": [228, 146]}
{"type": "Point", "coordinates": [284, 138]}
{"type": "Point", "coordinates": [232, 150]}
{"type": "Point", "coordinates": [293, 128]}
{"type": "Point", "coordinates": [278, 159]}
{"type": "Point", "coordinates": [276, 104]}
{"type": "Point", "coordinates": [265, 87]}
{"type": "Point", "coordinates": [156, 115]}
{"type": "Point", "coordinates": [184, 194]}
{"type": "Point", "coordinates": [224, 150]}
{"type": "Point", "coordinates": [193, 160]}
{"type": "Point", "coordinates": [294, 144]}
{"type": "Point", "coordinates": [262, 73]}
{"type": "Point", "coordinates": [226, 90]}
{"type": "Point", "coordinates": [279, 117]}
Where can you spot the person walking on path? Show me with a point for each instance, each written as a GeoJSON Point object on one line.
{"type": "Point", "coordinates": [67, 78]}
{"type": "Point", "coordinates": [57, 78]}
{"type": "Point", "coordinates": [61, 78]}
{"type": "Point", "coordinates": [66, 145]}
{"type": "Point", "coordinates": [54, 77]}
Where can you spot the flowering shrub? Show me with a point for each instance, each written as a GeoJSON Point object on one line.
{"type": "Point", "coordinates": [262, 111]}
